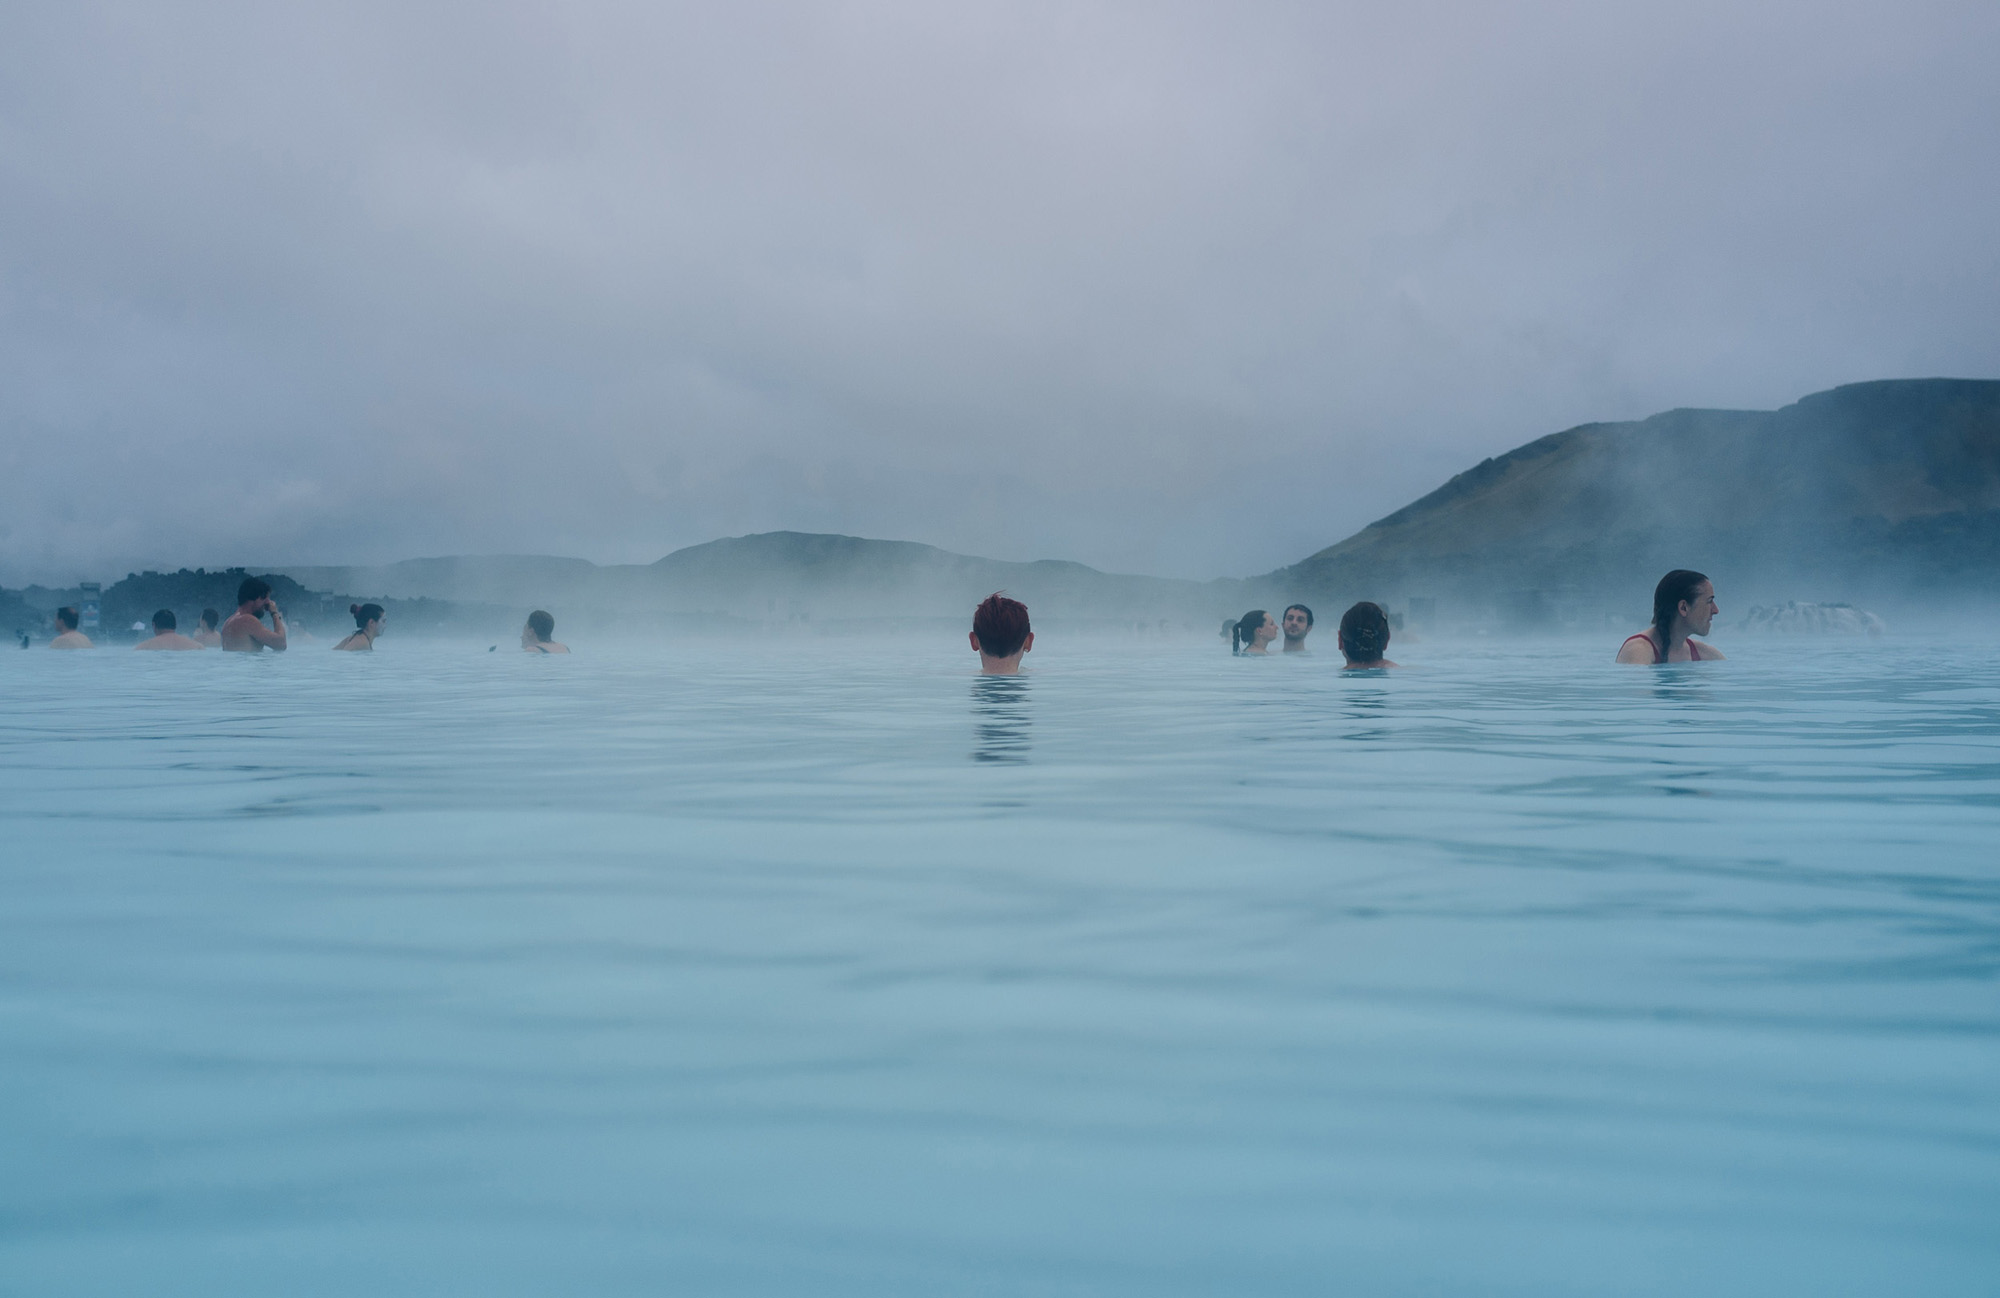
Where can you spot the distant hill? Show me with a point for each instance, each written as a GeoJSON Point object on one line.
{"type": "Point", "coordinates": [784, 577]}
{"type": "Point", "coordinates": [1886, 491]}
{"type": "Point", "coordinates": [807, 575]}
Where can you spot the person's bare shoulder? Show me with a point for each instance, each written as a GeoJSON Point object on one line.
{"type": "Point", "coordinates": [555, 648]}
{"type": "Point", "coordinates": [1709, 651]}
{"type": "Point", "coordinates": [1637, 650]}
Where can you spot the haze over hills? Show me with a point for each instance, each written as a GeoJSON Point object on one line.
{"type": "Point", "coordinates": [1887, 492]}
{"type": "Point", "coordinates": [783, 577]}
{"type": "Point", "coordinates": [1884, 493]}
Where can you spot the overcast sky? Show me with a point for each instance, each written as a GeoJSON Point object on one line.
{"type": "Point", "coordinates": [1189, 290]}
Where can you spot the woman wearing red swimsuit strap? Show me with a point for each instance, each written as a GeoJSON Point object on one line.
{"type": "Point", "coordinates": [1683, 606]}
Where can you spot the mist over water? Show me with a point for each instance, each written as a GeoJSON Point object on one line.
{"type": "Point", "coordinates": [825, 966]}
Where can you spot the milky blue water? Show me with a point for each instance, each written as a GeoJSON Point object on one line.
{"type": "Point", "coordinates": [822, 967]}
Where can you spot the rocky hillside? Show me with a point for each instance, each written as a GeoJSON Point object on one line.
{"type": "Point", "coordinates": [1885, 491]}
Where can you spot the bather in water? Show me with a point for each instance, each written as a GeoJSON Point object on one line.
{"type": "Point", "coordinates": [165, 636]}
{"type": "Point", "coordinates": [1364, 636]}
{"type": "Point", "coordinates": [1000, 635]}
{"type": "Point", "coordinates": [1683, 606]}
{"type": "Point", "coordinates": [1253, 633]}
{"type": "Point", "coordinates": [368, 623]}
{"type": "Point", "coordinates": [245, 631]}
{"type": "Point", "coordinates": [537, 636]}
{"type": "Point", "coordinates": [67, 636]}
{"type": "Point", "coordinates": [1297, 626]}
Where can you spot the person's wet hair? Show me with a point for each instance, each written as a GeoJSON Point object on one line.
{"type": "Point", "coordinates": [164, 620]}
{"type": "Point", "coordinates": [252, 588]}
{"type": "Point", "coordinates": [1364, 632]}
{"type": "Point", "coordinates": [67, 618]}
{"type": "Point", "coordinates": [210, 618]}
{"type": "Point", "coordinates": [1303, 609]}
{"type": "Point", "coordinates": [542, 625]}
{"type": "Point", "coordinates": [1678, 585]}
{"type": "Point", "coordinates": [1001, 625]}
{"type": "Point", "coordinates": [1245, 630]}
{"type": "Point", "coordinates": [364, 614]}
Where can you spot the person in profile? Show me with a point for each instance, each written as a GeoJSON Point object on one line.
{"type": "Point", "coordinates": [165, 636]}
{"type": "Point", "coordinates": [1252, 633]}
{"type": "Point", "coordinates": [1000, 635]}
{"type": "Point", "coordinates": [1364, 636]}
{"type": "Point", "coordinates": [368, 623]}
{"type": "Point", "coordinates": [67, 636]}
{"type": "Point", "coordinates": [1298, 625]}
{"type": "Point", "coordinates": [245, 631]}
{"type": "Point", "coordinates": [538, 635]}
{"type": "Point", "coordinates": [206, 634]}
{"type": "Point", "coordinates": [1683, 606]}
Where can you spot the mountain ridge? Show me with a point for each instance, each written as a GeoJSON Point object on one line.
{"type": "Point", "coordinates": [1886, 491]}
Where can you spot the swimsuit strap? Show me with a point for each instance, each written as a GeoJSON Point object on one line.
{"type": "Point", "coordinates": [1658, 657]}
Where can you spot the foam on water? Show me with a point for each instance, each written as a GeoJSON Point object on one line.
{"type": "Point", "coordinates": [824, 967]}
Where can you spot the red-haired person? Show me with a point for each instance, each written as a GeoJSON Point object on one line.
{"type": "Point", "coordinates": [1000, 635]}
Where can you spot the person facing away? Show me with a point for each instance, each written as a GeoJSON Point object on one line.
{"type": "Point", "coordinates": [1683, 606]}
{"type": "Point", "coordinates": [206, 634]}
{"type": "Point", "coordinates": [368, 623]}
{"type": "Point", "coordinates": [1000, 635]}
{"type": "Point", "coordinates": [1298, 625]}
{"type": "Point", "coordinates": [536, 635]}
{"type": "Point", "coordinates": [67, 636]}
{"type": "Point", "coordinates": [245, 631]}
{"type": "Point", "coordinates": [1253, 632]}
{"type": "Point", "coordinates": [1364, 635]}
{"type": "Point", "coordinates": [164, 635]}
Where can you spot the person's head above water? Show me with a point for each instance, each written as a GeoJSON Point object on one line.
{"type": "Point", "coordinates": [164, 634]}
{"type": "Point", "coordinates": [538, 635]}
{"type": "Point", "coordinates": [1364, 635]}
{"type": "Point", "coordinates": [1298, 622]}
{"type": "Point", "coordinates": [1683, 605]}
{"type": "Point", "coordinates": [1252, 632]}
{"type": "Point", "coordinates": [210, 619]}
{"type": "Point", "coordinates": [1000, 634]}
{"type": "Point", "coordinates": [368, 623]}
{"type": "Point", "coordinates": [67, 618]}
{"type": "Point", "coordinates": [253, 590]}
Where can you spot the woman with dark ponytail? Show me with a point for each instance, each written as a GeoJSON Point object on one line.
{"type": "Point", "coordinates": [368, 622]}
{"type": "Point", "coordinates": [1683, 606]}
{"type": "Point", "coordinates": [1364, 634]}
{"type": "Point", "coordinates": [1251, 632]}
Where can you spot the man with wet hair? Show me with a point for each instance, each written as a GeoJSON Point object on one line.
{"type": "Point", "coordinates": [67, 636]}
{"type": "Point", "coordinates": [165, 636]}
{"type": "Point", "coordinates": [1000, 635]}
{"type": "Point", "coordinates": [1298, 624]}
{"type": "Point", "coordinates": [245, 631]}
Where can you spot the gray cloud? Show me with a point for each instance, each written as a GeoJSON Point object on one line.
{"type": "Point", "coordinates": [1179, 289]}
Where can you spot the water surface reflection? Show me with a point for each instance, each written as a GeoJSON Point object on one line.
{"type": "Point", "coordinates": [1000, 720]}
